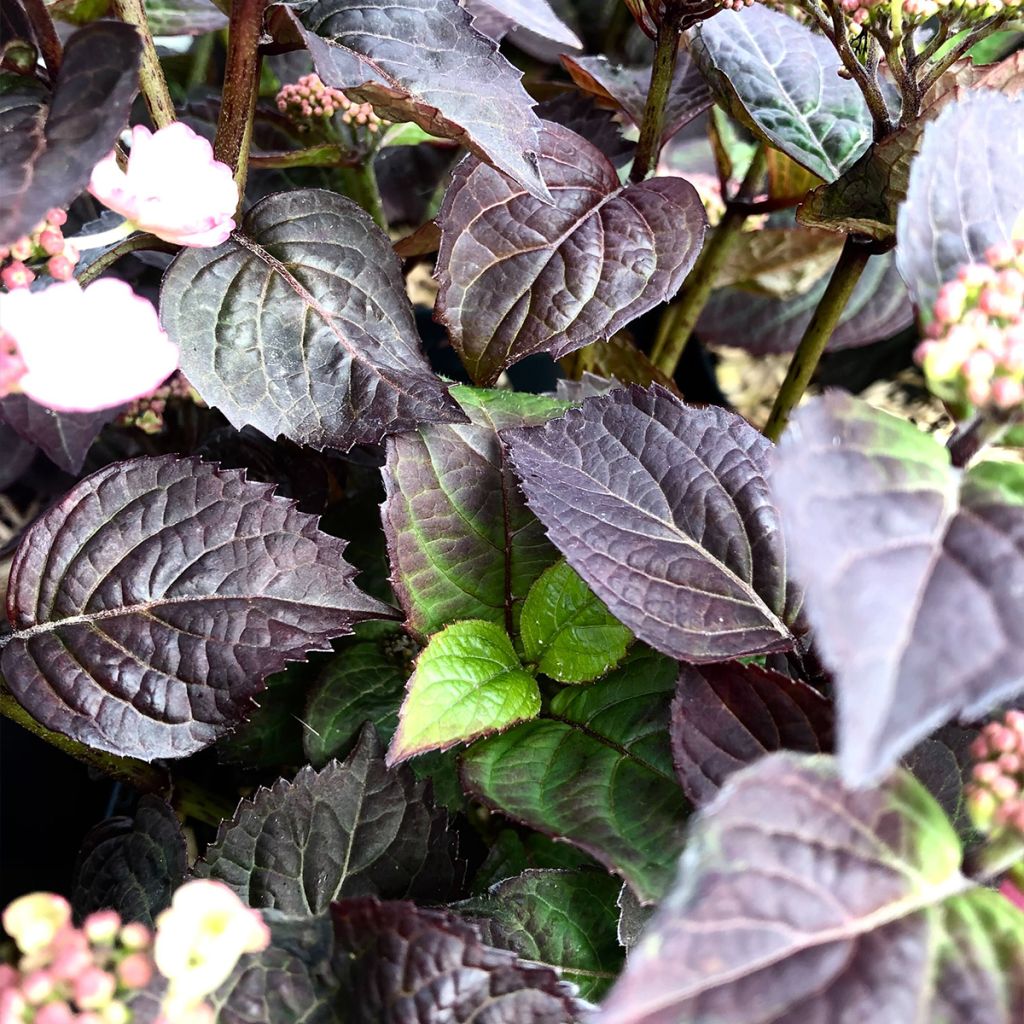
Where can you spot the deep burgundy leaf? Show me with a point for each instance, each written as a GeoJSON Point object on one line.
{"type": "Point", "coordinates": [519, 277]}
{"type": "Point", "coordinates": [17, 453]}
{"type": "Point", "coordinates": [582, 115]}
{"type": "Point", "coordinates": [404, 964]}
{"type": "Point", "coordinates": [131, 865]}
{"type": "Point", "coordinates": [63, 437]}
{"type": "Point", "coordinates": [46, 156]}
{"type": "Point", "coordinates": [299, 324]}
{"type": "Point", "coordinates": [799, 901]}
{"type": "Point", "coordinates": [913, 573]}
{"type": "Point", "coordinates": [664, 510]}
{"type": "Point", "coordinates": [726, 716]}
{"type": "Point", "coordinates": [351, 829]}
{"type": "Point", "coordinates": [422, 61]}
{"type": "Point", "coordinates": [626, 89]}
{"type": "Point", "coordinates": [152, 601]}
{"type": "Point", "coordinates": [964, 193]}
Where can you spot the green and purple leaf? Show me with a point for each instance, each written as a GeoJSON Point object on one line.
{"type": "Point", "coordinates": [299, 324]}
{"type": "Point", "coordinates": [518, 276]}
{"type": "Point", "coordinates": [351, 829]}
{"type": "Point", "coordinates": [912, 571]}
{"type": "Point", "coordinates": [665, 511]}
{"type": "Point", "coordinates": [153, 600]}
{"type": "Point", "coordinates": [800, 900]}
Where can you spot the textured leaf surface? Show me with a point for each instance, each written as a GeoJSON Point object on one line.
{"type": "Point", "coordinates": [600, 778]}
{"type": "Point", "coordinates": [625, 89]}
{"type": "Point", "coordinates": [567, 632]}
{"type": "Point", "coordinates": [351, 829]}
{"type": "Point", "coordinates": [780, 262]}
{"type": "Point", "coordinates": [184, 17]}
{"type": "Point", "coordinates": [47, 154]}
{"type": "Point", "coordinates": [421, 61]}
{"type": "Point", "coordinates": [565, 919]}
{"type": "Point", "coordinates": [726, 716]}
{"type": "Point", "coordinates": [63, 437]}
{"type": "Point", "coordinates": [496, 17]}
{"type": "Point", "coordinates": [461, 541]}
{"type": "Point", "coordinates": [964, 193]}
{"type": "Point", "coordinates": [468, 683]}
{"type": "Point", "coordinates": [782, 80]}
{"type": "Point", "coordinates": [664, 510]}
{"type": "Point", "coordinates": [152, 601]}
{"type": "Point", "coordinates": [897, 552]}
{"type": "Point", "coordinates": [299, 325]}
{"type": "Point", "coordinates": [799, 900]}
{"type": "Point", "coordinates": [132, 865]}
{"type": "Point", "coordinates": [404, 964]}
{"type": "Point", "coordinates": [518, 276]}
{"type": "Point", "coordinates": [878, 308]}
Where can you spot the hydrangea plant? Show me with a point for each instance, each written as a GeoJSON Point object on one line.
{"type": "Point", "coordinates": [451, 637]}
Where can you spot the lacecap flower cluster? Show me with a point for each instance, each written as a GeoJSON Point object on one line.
{"type": "Point", "coordinates": [995, 794]}
{"type": "Point", "coordinates": [45, 245]}
{"type": "Point", "coordinates": [309, 99]}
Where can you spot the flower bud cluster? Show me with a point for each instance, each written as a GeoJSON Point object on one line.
{"type": "Point", "coordinates": [974, 349]}
{"type": "Point", "coordinates": [995, 794]}
{"type": "Point", "coordinates": [68, 975]}
{"type": "Point", "coordinates": [147, 413]}
{"type": "Point", "coordinates": [649, 14]}
{"type": "Point", "coordinates": [309, 99]}
{"type": "Point", "coordinates": [45, 243]}
{"type": "Point", "coordinates": [916, 12]}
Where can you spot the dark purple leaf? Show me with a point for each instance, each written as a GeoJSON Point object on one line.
{"type": "Point", "coordinates": [47, 154]}
{"type": "Point", "coordinates": [726, 716]}
{"type": "Point", "coordinates": [299, 325]}
{"type": "Point", "coordinates": [913, 575]}
{"type": "Point", "coordinates": [422, 61]}
{"type": "Point", "coordinates": [17, 453]}
{"type": "Point", "coordinates": [782, 80]}
{"type": "Point", "coordinates": [664, 510]}
{"type": "Point", "coordinates": [798, 900]}
{"type": "Point", "coordinates": [519, 277]}
{"type": "Point", "coordinates": [626, 89]}
{"type": "Point", "coordinates": [152, 601]}
{"type": "Point", "coordinates": [582, 115]}
{"type": "Point", "coordinates": [132, 865]}
{"type": "Point", "coordinates": [351, 829]}
{"type": "Point", "coordinates": [878, 308]}
{"type": "Point", "coordinates": [462, 543]}
{"type": "Point", "coordinates": [496, 18]}
{"type": "Point", "coordinates": [403, 964]}
{"type": "Point", "coordinates": [63, 437]}
{"type": "Point", "coordinates": [964, 193]}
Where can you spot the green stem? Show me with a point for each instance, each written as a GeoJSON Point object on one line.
{"type": "Point", "coordinates": [198, 69]}
{"type": "Point", "coordinates": [241, 85]}
{"type": "Point", "coordinates": [326, 154]}
{"type": "Point", "coordinates": [132, 244]}
{"type": "Point", "coordinates": [151, 75]}
{"type": "Point", "coordinates": [46, 35]}
{"type": "Point", "coordinates": [682, 317]}
{"type": "Point", "coordinates": [649, 145]}
{"type": "Point", "coordinates": [852, 261]}
{"type": "Point", "coordinates": [360, 183]}
{"type": "Point", "coordinates": [1005, 850]}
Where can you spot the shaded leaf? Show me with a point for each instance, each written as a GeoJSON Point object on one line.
{"type": "Point", "coordinates": [131, 865]}
{"type": "Point", "coordinates": [47, 154]}
{"type": "Point", "coordinates": [519, 277]}
{"type": "Point", "coordinates": [601, 778]}
{"type": "Point", "coordinates": [726, 716]}
{"type": "Point", "coordinates": [18, 453]}
{"type": "Point", "coordinates": [782, 81]}
{"type": "Point", "coordinates": [512, 853]}
{"type": "Point", "coordinates": [351, 829]}
{"type": "Point", "coordinates": [403, 964]}
{"type": "Point", "coordinates": [63, 437]}
{"type": "Point", "coordinates": [461, 541]}
{"type": "Point", "coordinates": [942, 763]}
{"type": "Point", "coordinates": [633, 918]}
{"type": "Point", "coordinates": [780, 262]}
{"type": "Point", "coordinates": [800, 900]}
{"type": "Point", "coordinates": [617, 358]}
{"type": "Point", "coordinates": [184, 17]}
{"type": "Point", "coordinates": [421, 61]}
{"type": "Point", "coordinates": [152, 601]}
{"type": "Point", "coordinates": [563, 919]}
{"type": "Point", "coordinates": [362, 683]}
{"type": "Point", "coordinates": [963, 194]}
{"type": "Point", "coordinates": [495, 18]}
{"type": "Point", "coordinates": [567, 632]}
{"type": "Point", "coordinates": [787, 180]}
{"type": "Point", "coordinates": [299, 325]}
{"type": "Point", "coordinates": [468, 683]}
{"type": "Point", "coordinates": [625, 89]}
{"type": "Point", "coordinates": [580, 114]}
{"type": "Point", "coordinates": [664, 510]}
{"type": "Point", "coordinates": [587, 386]}
{"type": "Point", "coordinates": [897, 551]}
{"type": "Point", "coordinates": [878, 308]}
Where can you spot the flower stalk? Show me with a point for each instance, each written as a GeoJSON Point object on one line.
{"type": "Point", "coordinates": [151, 75]}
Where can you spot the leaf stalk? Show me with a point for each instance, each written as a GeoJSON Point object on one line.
{"type": "Point", "coordinates": [666, 50]}
{"type": "Point", "coordinates": [151, 75]}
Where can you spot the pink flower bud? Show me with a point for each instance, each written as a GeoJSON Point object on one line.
{"type": "Point", "coordinates": [58, 218]}
{"type": "Point", "coordinates": [56, 1013]}
{"type": "Point", "coordinates": [985, 773]}
{"type": "Point", "coordinates": [60, 268]}
{"type": "Point", "coordinates": [136, 936]}
{"type": "Point", "coordinates": [16, 275]}
{"type": "Point", "coordinates": [101, 927]}
{"type": "Point", "coordinates": [116, 1013]}
{"type": "Point", "coordinates": [37, 986]}
{"type": "Point", "coordinates": [12, 366]}
{"type": "Point", "coordinates": [1007, 392]}
{"type": "Point", "coordinates": [35, 921]}
{"type": "Point", "coordinates": [22, 249]}
{"type": "Point", "coordinates": [949, 306]}
{"type": "Point", "coordinates": [173, 187]}
{"type": "Point", "coordinates": [135, 970]}
{"type": "Point", "coordinates": [51, 241]}
{"type": "Point", "coordinates": [13, 1006]}
{"type": "Point", "coordinates": [94, 988]}
{"type": "Point", "coordinates": [1001, 254]}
